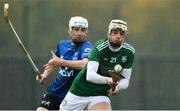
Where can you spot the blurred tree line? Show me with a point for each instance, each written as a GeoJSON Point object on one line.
{"type": "Point", "coordinates": [153, 31]}
{"type": "Point", "coordinates": [153, 24]}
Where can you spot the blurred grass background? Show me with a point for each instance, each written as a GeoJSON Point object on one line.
{"type": "Point", "coordinates": [154, 30]}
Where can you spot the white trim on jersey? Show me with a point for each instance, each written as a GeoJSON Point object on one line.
{"type": "Point", "coordinates": [114, 49]}
{"type": "Point", "coordinates": [105, 44]}
{"type": "Point", "coordinates": [128, 46]}
{"type": "Point", "coordinates": [102, 45]}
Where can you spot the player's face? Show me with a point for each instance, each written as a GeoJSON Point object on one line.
{"type": "Point", "coordinates": [78, 34]}
{"type": "Point", "coordinates": [117, 36]}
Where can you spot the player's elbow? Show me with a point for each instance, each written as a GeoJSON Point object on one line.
{"type": "Point", "coordinates": [125, 86]}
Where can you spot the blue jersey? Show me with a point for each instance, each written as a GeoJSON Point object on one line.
{"type": "Point", "coordinates": [68, 51]}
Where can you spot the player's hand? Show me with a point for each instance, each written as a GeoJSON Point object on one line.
{"type": "Point", "coordinates": [49, 66]}
{"type": "Point", "coordinates": [40, 79]}
{"type": "Point", "coordinates": [111, 83]}
{"type": "Point", "coordinates": [54, 61]}
{"type": "Point", "coordinates": [115, 91]}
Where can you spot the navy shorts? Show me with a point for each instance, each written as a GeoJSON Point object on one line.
{"type": "Point", "coordinates": [50, 102]}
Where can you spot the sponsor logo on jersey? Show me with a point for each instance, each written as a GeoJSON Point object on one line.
{"type": "Point", "coordinates": [66, 73]}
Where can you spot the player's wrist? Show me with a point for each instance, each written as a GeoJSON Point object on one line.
{"type": "Point", "coordinates": [61, 62]}
{"type": "Point", "coordinates": [108, 80]}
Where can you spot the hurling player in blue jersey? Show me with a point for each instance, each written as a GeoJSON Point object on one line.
{"type": "Point", "coordinates": [70, 56]}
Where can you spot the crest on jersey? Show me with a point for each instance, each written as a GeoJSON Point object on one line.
{"type": "Point", "coordinates": [87, 50]}
{"type": "Point", "coordinates": [124, 59]}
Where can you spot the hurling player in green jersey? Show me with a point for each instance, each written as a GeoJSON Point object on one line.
{"type": "Point", "coordinates": [91, 87]}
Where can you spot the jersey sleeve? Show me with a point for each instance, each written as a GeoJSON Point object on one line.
{"type": "Point", "coordinates": [57, 50]}
{"type": "Point", "coordinates": [86, 50]}
{"type": "Point", "coordinates": [94, 55]}
{"type": "Point", "coordinates": [129, 61]}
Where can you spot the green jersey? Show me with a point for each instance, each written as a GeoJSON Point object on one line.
{"type": "Point", "coordinates": [107, 59]}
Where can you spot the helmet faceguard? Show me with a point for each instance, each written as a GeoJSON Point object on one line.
{"type": "Point", "coordinates": [118, 25]}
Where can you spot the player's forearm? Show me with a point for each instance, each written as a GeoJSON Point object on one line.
{"type": "Point", "coordinates": [96, 78]}
{"type": "Point", "coordinates": [92, 74]}
{"type": "Point", "coordinates": [123, 84]}
{"type": "Point", "coordinates": [75, 64]}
